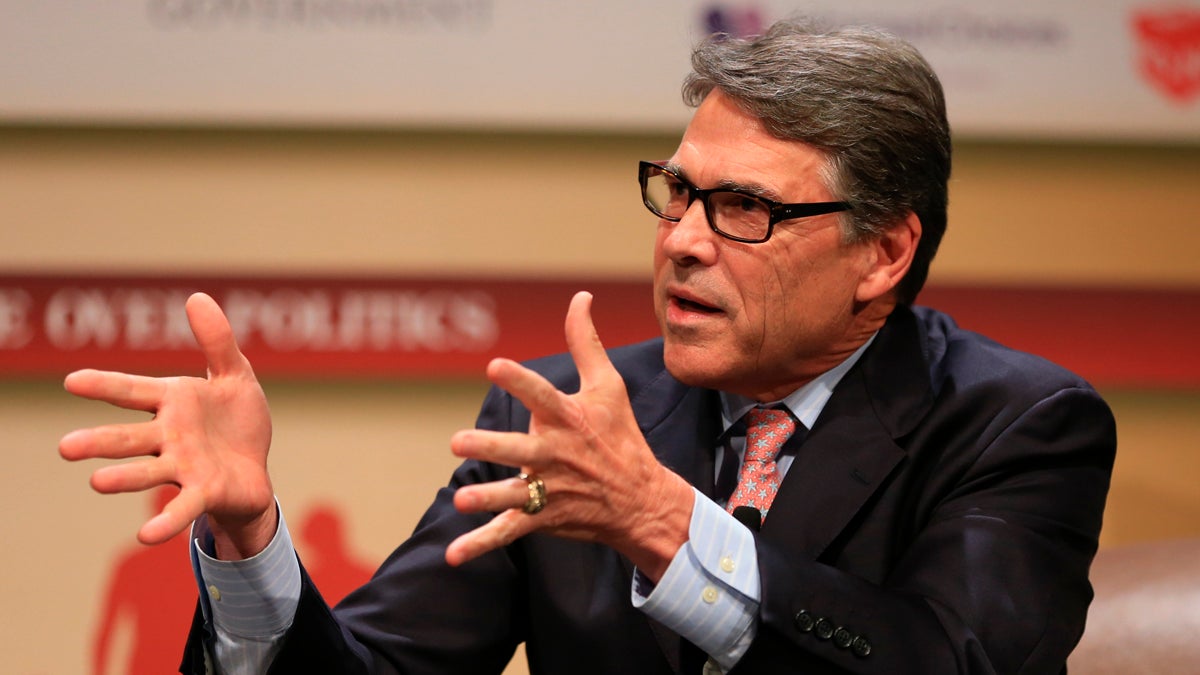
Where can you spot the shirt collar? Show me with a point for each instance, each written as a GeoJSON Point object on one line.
{"type": "Point", "coordinates": [805, 403]}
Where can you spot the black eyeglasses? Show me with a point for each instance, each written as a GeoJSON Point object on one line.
{"type": "Point", "coordinates": [732, 213]}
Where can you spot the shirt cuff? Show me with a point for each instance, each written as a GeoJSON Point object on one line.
{"type": "Point", "coordinates": [710, 592]}
{"type": "Point", "coordinates": [255, 598]}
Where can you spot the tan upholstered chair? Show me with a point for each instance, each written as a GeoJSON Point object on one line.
{"type": "Point", "coordinates": [1146, 615]}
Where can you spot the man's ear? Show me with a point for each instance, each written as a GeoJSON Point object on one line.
{"type": "Point", "coordinates": [891, 254]}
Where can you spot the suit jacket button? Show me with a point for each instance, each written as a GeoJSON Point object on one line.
{"type": "Point", "coordinates": [804, 621]}
{"type": "Point", "coordinates": [842, 638]}
{"type": "Point", "coordinates": [860, 646]}
{"type": "Point", "coordinates": [824, 629]}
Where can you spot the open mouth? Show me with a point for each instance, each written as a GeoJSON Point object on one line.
{"type": "Point", "coordinates": [693, 306]}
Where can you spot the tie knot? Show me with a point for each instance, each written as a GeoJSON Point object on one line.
{"type": "Point", "coordinates": [770, 416]}
{"type": "Point", "coordinates": [767, 429]}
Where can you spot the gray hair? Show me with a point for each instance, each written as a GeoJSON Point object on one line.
{"type": "Point", "coordinates": [864, 97]}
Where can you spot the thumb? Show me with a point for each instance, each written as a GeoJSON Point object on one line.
{"type": "Point", "coordinates": [584, 343]}
{"type": "Point", "coordinates": [214, 335]}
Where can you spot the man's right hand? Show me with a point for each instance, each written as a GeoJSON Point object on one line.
{"type": "Point", "coordinates": [209, 436]}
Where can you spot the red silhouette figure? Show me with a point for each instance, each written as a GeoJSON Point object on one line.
{"type": "Point", "coordinates": [327, 557]}
{"type": "Point", "coordinates": [152, 593]}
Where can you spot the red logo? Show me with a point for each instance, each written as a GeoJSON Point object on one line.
{"type": "Point", "coordinates": [1170, 50]}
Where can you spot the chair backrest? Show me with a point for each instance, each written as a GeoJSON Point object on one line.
{"type": "Point", "coordinates": [1146, 614]}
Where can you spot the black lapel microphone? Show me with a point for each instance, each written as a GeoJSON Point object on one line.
{"type": "Point", "coordinates": [748, 516]}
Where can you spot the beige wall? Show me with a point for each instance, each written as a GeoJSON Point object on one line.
{"type": "Point", "coordinates": [257, 202]}
{"type": "Point", "coordinates": [219, 201]}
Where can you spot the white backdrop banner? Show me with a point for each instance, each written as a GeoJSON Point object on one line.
{"type": "Point", "coordinates": [1075, 69]}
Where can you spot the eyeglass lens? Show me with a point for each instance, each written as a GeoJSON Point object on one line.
{"type": "Point", "coordinates": [731, 213]}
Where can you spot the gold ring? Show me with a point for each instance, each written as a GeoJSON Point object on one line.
{"type": "Point", "coordinates": [537, 494]}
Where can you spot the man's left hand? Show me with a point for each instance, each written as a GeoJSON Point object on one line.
{"type": "Point", "coordinates": [602, 481]}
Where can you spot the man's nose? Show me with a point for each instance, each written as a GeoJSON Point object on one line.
{"type": "Point", "coordinates": [691, 240]}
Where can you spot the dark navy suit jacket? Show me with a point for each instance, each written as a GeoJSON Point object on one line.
{"type": "Point", "coordinates": [940, 517]}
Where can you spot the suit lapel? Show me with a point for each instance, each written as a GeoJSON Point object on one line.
{"type": "Point", "coordinates": [841, 463]}
{"type": "Point", "coordinates": [851, 449]}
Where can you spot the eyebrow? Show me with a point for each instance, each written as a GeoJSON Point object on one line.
{"type": "Point", "coordinates": [729, 184]}
{"type": "Point", "coordinates": [750, 188]}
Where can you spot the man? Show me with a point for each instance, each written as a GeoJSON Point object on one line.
{"type": "Point", "coordinates": [934, 506]}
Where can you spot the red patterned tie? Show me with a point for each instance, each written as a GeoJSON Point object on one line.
{"type": "Point", "coordinates": [767, 429]}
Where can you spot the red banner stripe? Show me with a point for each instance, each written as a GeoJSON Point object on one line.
{"type": "Point", "coordinates": [303, 327]}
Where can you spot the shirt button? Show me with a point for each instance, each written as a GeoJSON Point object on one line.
{"type": "Point", "coordinates": [709, 595]}
{"type": "Point", "coordinates": [727, 564]}
{"type": "Point", "coordinates": [214, 593]}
